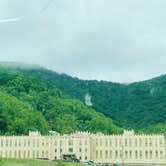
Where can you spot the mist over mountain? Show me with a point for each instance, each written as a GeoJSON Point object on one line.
{"type": "Point", "coordinates": [122, 41]}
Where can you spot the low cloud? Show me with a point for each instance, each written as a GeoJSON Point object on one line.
{"type": "Point", "coordinates": [122, 41]}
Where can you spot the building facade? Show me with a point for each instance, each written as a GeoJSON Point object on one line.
{"type": "Point", "coordinates": [100, 148]}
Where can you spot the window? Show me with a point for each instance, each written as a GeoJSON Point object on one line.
{"type": "Point", "coordinates": [161, 142]}
{"type": "Point", "coordinates": [110, 154]}
{"type": "Point", "coordinates": [101, 154]}
{"type": "Point", "coordinates": [28, 153]}
{"type": "Point", "coordinates": [161, 154]}
{"type": "Point", "coordinates": [24, 143]}
{"type": "Point", "coordinates": [37, 143]}
{"type": "Point", "coordinates": [116, 154]}
{"type": "Point", "coordinates": [33, 154]}
{"type": "Point", "coordinates": [150, 154]}
{"type": "Point", "coordinates": [125, 142]}
{"type": "Point", "coordinates": [120, 154]}
{"type": "Point", "coordinates": [70, 150]}
{"type": "Point", "coordinates": [10, 154]}
{"type": "Point", "coordinates": [120, 142]}
{"type": "Point", "coordinates": [136, 154]}
{"type": "Point", "coordinates": [106, 154]}
{"type": "Point", "coordinates": [43, 154]}
{"type": "Point", "coordinates": [10, 143]}
{"type": "Point", "coordinates": [6, 143]}
{"type": "Point", "coordinates": [150, 142]}
{"type": "Point", "coordinates": [33, 143]}
{"type": "Point", "coordinates": [157, 155]}
{"type": "Point", "coordinates": [156, 144]}
{"type": "Point", "coordinates": [1, 143]}
{"type": "Point", "coordinates": [28, 142]}
{"type": "Point", "coordinates": [15, 154]}
{"type": "Point", "coordinates": [146, 154]}
{"type": "Point", "coordinates": [130, 154]}
{"type": "Point", "coordinates": [130, 142]}
{"type": "Point", "coordinates": [70, 142]}
{"type": "Point", "coordinates": [15, 143]}
{"type": "Point", "coordinates": [46, 154]}
{"type": "Point", "coordinates": [146, 142]}
{"type": "Point", "coordinates": [96, 143]}
{"type": "Point", "coordinates": [37, 154]}
{"type": "Point", "coordinates": [100, 142]}
{"type": "Point", "coordinates": [106, 143]}
{"type": "Point", "coordinates": [126, 154]}
{"type": "Point", "coordinates": [116, 142]}
{"type": "Point", "coordinates": [86, 157]}
{"type": "Point", "coordinates": [19, 143]}
{"type": "Point", "coordinates": [96, 153]}
{"type": "Point", "coordinates": [7, 154]}
{"type": "Point", "coordinates": [136, 142]}
{"type": "Point", "coordinates": [140, 154]}
{"type": "Point", "coordinates": [80, 150]}
{"type": "Point", "coordinates": [110, 143]}
{"type": "Point", "coordinates": [24, 154]}
{"type": "Point", "coordinates": [140, 142]}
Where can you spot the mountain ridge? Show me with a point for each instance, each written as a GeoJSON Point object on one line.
{"type": "Point", "coordinates": [139, 105]}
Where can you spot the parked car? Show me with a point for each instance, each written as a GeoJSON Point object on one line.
{"type": "Point", "coordinates": [70, 158]}
{"type": "Point", "coordinates": [116, 165]}
{"type": "Point", "coordinates": [107, 164]}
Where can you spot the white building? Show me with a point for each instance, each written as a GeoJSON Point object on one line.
{"type": "Point", "coordinates": [125, 148]}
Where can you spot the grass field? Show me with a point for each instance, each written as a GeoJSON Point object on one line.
{"type": "Point", "coordinates": [28, 162]}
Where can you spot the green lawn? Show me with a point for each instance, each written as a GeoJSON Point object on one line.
{"type": "Point", "coordinates": [28, 162]}
{"type": "Point", "coordinates": [31, 162]}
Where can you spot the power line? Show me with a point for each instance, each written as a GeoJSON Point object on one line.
{"type": "Point", "coordinates": [17, 19]}
{"type": "Point", "coordinates": [13, 19]}
{"type": "Point", "coordinates": [46, 6]}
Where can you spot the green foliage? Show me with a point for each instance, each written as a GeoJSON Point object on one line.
{"type": "Point", "coordinates": [141, 105]}
{"type": "Point", "coordinates": [28, 102]}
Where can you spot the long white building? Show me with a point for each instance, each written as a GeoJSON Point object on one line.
{"type": "Point", "coordinates": [125, 148]}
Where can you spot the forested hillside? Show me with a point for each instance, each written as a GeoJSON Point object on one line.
{"type": "Point", "coordinates": [141, 105]}
{"type": "Point", "coordinates": [28, 102]}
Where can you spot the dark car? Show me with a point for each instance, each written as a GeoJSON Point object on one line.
{"type": "Point", "coordinates": [116, 165]}
{"type": "Point", "coordinates": [107, 164]}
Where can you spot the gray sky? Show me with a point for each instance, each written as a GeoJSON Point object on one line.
{"type": "Point", "coordinates": [117, 40]}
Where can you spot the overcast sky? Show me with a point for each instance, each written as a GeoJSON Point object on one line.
{"type": "Point", "coordinates": [116, 40]}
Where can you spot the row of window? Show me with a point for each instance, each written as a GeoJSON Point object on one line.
{"type": "Point", "coordinates": [22, 143]}
{"type": "Point", "coordinates": [71, 150]}
{"type": "Point", "coordinates": [129, 154]}
{"type": "Point", "coordinates": [130, 142]}
{"type": "Point", "coordinates": [24, 154]}
{"type": "Point", "coordinates": [72, 142]}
